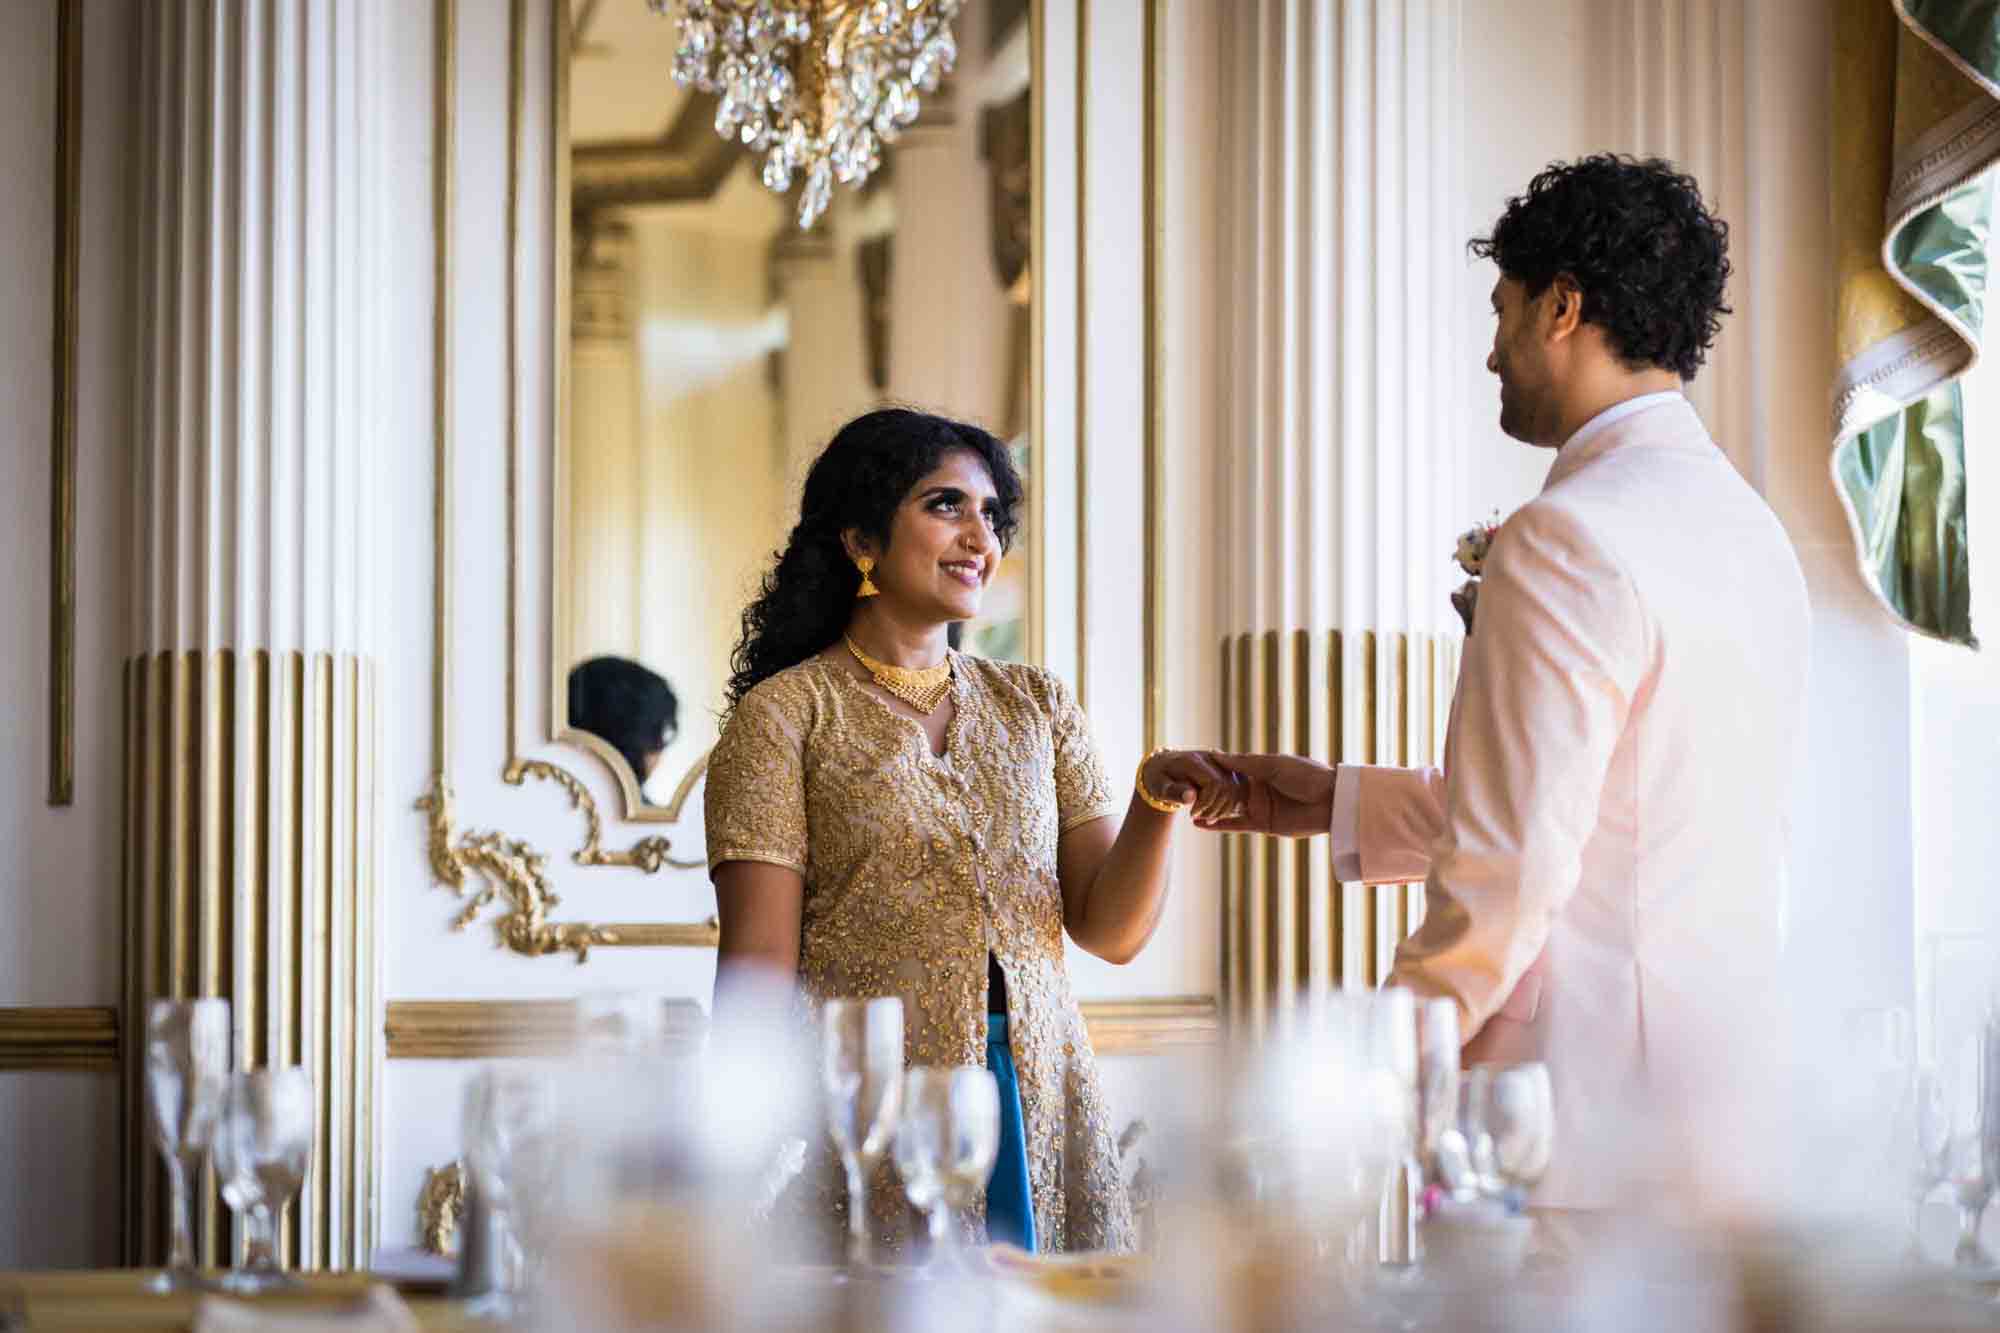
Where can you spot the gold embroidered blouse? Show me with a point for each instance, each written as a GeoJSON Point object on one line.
{"type": "Point", "coordinates": [916, 866]}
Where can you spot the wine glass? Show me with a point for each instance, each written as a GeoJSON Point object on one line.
{"type": "Point", "coordinates": [1520, 1117]}
{"type": "Point", "coordinates": [187, 1072]}
{"type": "Point", "coordinates": [861, 1069]}
{"type": "Point", "coordinates": [263, 1143]}
{"type": "Point", "coordinates": [946, 1143]}
{"type": "Point", "coordinates": [1509, 1122]}
{"type": "Point", "coordinates": [508, 1113]}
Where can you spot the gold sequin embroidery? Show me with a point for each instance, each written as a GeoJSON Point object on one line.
{"type": "Point", "coordinates": [916, 866]}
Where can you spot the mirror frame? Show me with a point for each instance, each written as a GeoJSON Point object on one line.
{"type": "Point", "coordinates": [687, 161]}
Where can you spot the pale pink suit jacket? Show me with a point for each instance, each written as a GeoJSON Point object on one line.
{"type": "Point", "coordinates": [1603, 852]}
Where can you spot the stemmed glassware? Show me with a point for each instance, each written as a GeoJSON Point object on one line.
{"type": "Point", "coordinates": [187, 1073]}
{"type": "Point", "coordinates": [1927, 1139]}
{"type": "Point", "coordinates": [861, 1070]}
{"type": "Point", "coordinates": [509, 1115]}
{"type": "Point", "coordinates": [946, 1143]}
{"type": "Point", "coordinates": [1518, 1118]}
{"type": "Point", "coordinates": [1975, 1140]}
{"type": "Point", "coordinates": [263, 1142]}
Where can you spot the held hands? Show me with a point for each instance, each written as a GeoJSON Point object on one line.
{"type": "Point", "coordinates": [1281, 793]}
{"type": "Point", "coordinates": [1189, 779]}
{"type": "Point", "coordinates": [1244, 793]}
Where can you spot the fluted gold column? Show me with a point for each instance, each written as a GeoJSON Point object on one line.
{"type": "Point", "coordinates": [250, 724]}
{"type": "Point", "coordinates": [267, 901]}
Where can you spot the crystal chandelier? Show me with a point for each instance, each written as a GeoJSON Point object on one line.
{"type": "Point", "coordinates": [815, 86]}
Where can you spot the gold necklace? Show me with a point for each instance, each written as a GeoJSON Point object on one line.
{"type": "Point", "coordinates": [921, 688]}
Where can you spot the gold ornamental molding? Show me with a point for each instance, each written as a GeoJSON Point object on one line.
{"type": "Point", "coordinates": [489, 867]}
{"type": "Point", "coordinates": [504, 1029]}
{"type": "Point", "coordinates": [50, 1038]}
{"type": "Point", "coordinates": [1153, 111]}
{"type": "Point", "coordinates": [501, 1029]}
{"type": "Point", "coordinates": [1146, 1027]}
{"type": "Point", "coordinates": [62, 403]}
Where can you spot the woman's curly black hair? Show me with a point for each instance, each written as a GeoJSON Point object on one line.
{"type": "Point", "coordinates": [1651, 260]}
{"type": "Point", "coordinates": [856, 484]}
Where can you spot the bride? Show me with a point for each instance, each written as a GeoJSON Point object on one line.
{"type": "Point", "coordinates": [889, 817]}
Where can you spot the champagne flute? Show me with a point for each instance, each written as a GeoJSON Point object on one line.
{"type": "Point", "coordinates": [1474, 1094]}
{"type": "Point", "coordinates": [263, 1143]}
{"type": "Point", "coordinates": [946, 1142]}
{"type": "Point", "coordinates": [861, 1069]}
{"type": "Point", "coordinates": [1930, 1156]}
{"type": "Point", "coordinates": [187, 1071]}
{"type": "Point", "coordinates": [1975, 1164]}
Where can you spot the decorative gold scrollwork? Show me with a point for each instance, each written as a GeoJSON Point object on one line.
{"type": "Point", "coordinates": [440, 1205]}
{"type": "Point", "coordinates": [648, 854]}
{"type": "Point", "coordinates": [483, 866]}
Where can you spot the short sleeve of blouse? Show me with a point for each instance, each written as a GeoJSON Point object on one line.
{"type": "Point", "coordinates": [1083, 791]}
{"type": "Point", "coordinates": [756, 799]}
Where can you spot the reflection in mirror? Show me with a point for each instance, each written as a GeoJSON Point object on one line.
{"type": "Point", "coordinates": [714, 347]}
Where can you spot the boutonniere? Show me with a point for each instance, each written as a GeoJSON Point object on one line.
{"type": "Point", "coordinates": [1473, 544]}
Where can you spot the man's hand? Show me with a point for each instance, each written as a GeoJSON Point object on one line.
{"type": "Point", "coordinates": [1282, 794]}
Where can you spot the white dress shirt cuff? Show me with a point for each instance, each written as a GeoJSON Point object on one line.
{"type": "Point", "coordinates": [1346, 822]}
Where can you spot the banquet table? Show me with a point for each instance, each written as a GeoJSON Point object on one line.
{"type": "Point", "coordinates": [93, 1299]}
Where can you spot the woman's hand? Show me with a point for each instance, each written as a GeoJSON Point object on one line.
{"type": "Point", "coordinates": [1191, 778]}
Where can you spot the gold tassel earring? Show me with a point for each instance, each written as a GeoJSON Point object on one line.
{"type": "Point", "coordinates": [866, 564]}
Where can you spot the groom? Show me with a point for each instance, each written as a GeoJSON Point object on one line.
{"type": "Point", "coordinates": [1603, 852]}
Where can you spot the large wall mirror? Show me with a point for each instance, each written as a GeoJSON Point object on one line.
{"type": "Point", "coordinates": [713, 346]}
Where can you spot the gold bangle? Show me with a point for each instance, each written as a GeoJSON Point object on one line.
{"type": "Point", "coordinates": [1139, 783]}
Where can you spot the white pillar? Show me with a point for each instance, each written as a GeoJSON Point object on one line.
{"type": "Point", "coordinates": [1343, 486]}
{"type": "Point", "coordinates": [250, 728]}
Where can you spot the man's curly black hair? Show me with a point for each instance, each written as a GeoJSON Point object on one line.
{"type": "Point", "coordinates": [1650, 259]}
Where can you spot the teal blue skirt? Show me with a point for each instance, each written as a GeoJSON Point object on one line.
{"type": "Point", "coordinates": [1010, 1209]}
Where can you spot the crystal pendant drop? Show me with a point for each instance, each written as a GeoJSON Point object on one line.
{"type": "Point", "coordinates": [777, 172]}
{"type": "Point", "coordinates": [934, 62]}
{"type": "Point", "coordinates": [698, 36]}
{"type": "Point", "coordinates": [861, 84]}
{"type": "Point", "coordinates": [817, 194]}
{"type": "Point", "coordinates": [765, 30]}
{"type": "Point", "coordinates": [778, 89]}
{"type": "Point", "coordinates": [690, 70]}
{"type": "Point", "coordinates": [795, 144]}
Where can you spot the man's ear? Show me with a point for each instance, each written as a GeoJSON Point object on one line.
{"type": "Point", "coordinates": [1565, 306]}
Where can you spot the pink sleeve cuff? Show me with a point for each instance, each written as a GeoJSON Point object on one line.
{"type": "Point", "coordinates": [1346, 820]}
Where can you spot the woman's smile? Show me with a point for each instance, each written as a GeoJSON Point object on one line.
{"type": "Point", "coordinates": [971, 573]}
